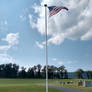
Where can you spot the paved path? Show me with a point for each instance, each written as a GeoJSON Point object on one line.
{"type": "Point", "coordinates": [67, 89]}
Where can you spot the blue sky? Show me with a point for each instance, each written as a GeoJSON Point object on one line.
{"type": "Point", "coordinates": [22, 36]}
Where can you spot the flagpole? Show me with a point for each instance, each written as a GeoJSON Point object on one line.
{"type": "Point", "coordinates": [46, 47]}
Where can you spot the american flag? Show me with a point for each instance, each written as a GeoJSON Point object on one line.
{"type": "Point", "coordinates": [55, 9]}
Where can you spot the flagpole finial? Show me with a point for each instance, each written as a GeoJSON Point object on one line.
{"type": "Point", "coordinates": [45, 5]}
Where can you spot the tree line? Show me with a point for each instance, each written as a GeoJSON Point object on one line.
{"type": "Point", "coordinates": [15, 71]}
{"type": "Point", "coordinates": [81, 74]}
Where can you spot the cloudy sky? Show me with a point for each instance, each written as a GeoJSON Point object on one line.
{"type": "Point", "coordinates": [22, 35]}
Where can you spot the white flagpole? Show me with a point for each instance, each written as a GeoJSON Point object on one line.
{"type": "Point", "coordinates": [46, 48]}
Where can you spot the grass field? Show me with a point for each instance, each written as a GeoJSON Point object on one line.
{"type": "Point", "coordinates": [23, 85]}
{"type": "Point", "coordinates": [29, 85]}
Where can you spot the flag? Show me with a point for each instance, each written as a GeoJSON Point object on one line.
{"type": "Point", "coordinates": [55, 9]}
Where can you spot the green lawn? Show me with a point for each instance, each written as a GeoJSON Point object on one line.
{"type": "Point", "coordinates": [74, 85]}
{"type": "Point", "coordinates": [23, 85]}
{"type": "Point", "coordinates": [29, 85]}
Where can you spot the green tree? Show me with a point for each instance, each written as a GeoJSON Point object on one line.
{"type": "Point", "coordinates": [2, 71]}
{"type": "Point", "coordinates": [39, 70]}
{"type": "Point", "coordinates": [15, 69]}
{"type": "Point", "coordinates": [34, 68]}
{"type": "Point", "coordinates": [61, 71]}
{"type": "Point", "coordinates": [22, 72]}
{"type": "Point", "coordinates": [89, 74]}
{"type": "Point", "coordinates": [65, 74]}
{"type": "Point", "coordinates": [44, 72]}
{"type": "Point", "coordinates": [79, 73]}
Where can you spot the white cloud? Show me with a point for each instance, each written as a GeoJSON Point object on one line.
{"type": "Point", "coordinates": [54, 59]}
{"type": "Point", "coordinates": [87, 36]}
{"type": "Point", "coordinates": [31, 21]}
{"type": "Point", "coordinates": [61, 63]}
{"type": "Point", "coordinates": [5, 58]}
{"type": "Point", "coordinates": [22, 17]}
{"type": "Point", "coordinates": [12, 39]}
{"type": "Point", "coordinates": [39, 45]}
{"type": "Point", "coordinates": [65, 62]}
{"type": "Point", "coordinates": [5, 47]}
{"type": "Point", "coordinates": [74, 24]}
{"type": "Point", "coordinates": [57, 39]}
